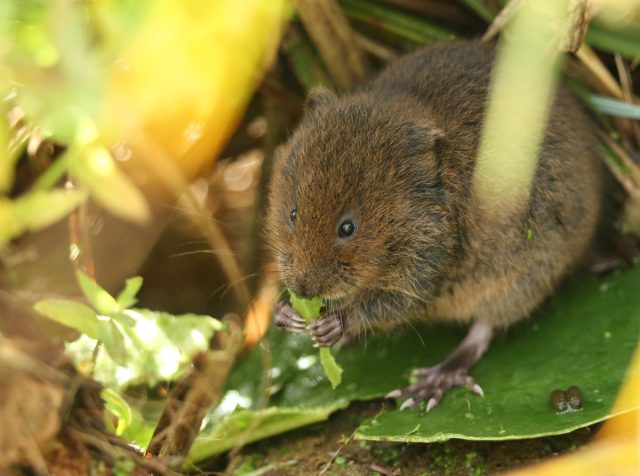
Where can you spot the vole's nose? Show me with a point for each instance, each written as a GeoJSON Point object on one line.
{"type": "Point", "coordinates": [303, 288]}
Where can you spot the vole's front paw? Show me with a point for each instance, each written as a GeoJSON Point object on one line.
{"type": "Point", "coordinates": [327, 330]}
{"type": "Point", "coordinates": [288, 319]}
{"type": "Point", "coordinates": [434, 382]}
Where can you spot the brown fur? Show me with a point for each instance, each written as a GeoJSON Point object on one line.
{"type": "Point", "coordinates": [397, 157]}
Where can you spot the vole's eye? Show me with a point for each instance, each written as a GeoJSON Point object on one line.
{"type": "Point", "coordinates": [293, 214]}
{"type": "Point", "coordinates": [346, 229]}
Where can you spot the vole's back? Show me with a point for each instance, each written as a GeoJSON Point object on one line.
{"type": "Point", "coordinates": [503, 270]}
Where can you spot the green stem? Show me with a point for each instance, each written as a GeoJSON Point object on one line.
{"type": "Point", "coordinates": [53, 173]}
{"type": "Point", "coordinates": [479, 9]}
{"type": "Point", "coordinates": [304, 62]}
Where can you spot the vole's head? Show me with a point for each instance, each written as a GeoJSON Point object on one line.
{"type": "Point", "coordinates": [353, 195]}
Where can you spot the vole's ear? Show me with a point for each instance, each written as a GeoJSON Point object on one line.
{"type": "Point", "coordinates": [424, 137]}
{"type": "Point", "coordinates": [318, 96]}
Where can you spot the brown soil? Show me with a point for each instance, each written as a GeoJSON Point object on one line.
{"type": "Point", "coordinates": [329, 449]}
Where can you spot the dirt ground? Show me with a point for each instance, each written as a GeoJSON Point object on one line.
{"type": "Point", "coordinates": [328, 449]}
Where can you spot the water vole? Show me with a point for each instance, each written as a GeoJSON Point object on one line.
{"type": "Point", "coordinates": [371, 207]}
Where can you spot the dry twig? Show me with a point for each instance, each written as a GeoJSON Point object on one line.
{"type": "Point", "coordinates": [190, 398]}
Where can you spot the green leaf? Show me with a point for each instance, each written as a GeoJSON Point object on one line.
{"type": "Point", "coordinates": [100, 299]}
{"type": "Point", "coordinates": [143, 423]}
{"type": "Point", "coordinates": [6, 160]}
{"type": "Point", "coordinates": [114, 342]}
{"type": "Point", "coordinates": [304, 61]}
{"type": "Point", "coordinates": [394, 22]}
{"type": "Point", "coordinates": [583, 336]}
{"type": "Point", "coordinates": [54, 172]}
{"type": "Point", "coordinates": [188, 331]}
{"type": "Point", "coordinates": [118, 406]}
{"type": "Point", "coordinates": [72, 314]}
{"type": "Point", "coordinates": [94, 167]}
{"type": "Point", "coordinates": [622, 41]}
{"type": "Point", "coordinates": [127, 297]}
{"type": "Point", "coordinates": [245, 426]}
{"type": "Point", "coordinates": [10, 227]}
{"type": "Point", "coordinates": [125, 320]}
{"type": "Point", "coordinates": [615, 107]}
{"type": "Point", "coordinates": [479, 8]}
{"type": "Point", "coordinates": [36, 210]}
{"type": "Point", "coordinates": [309, 309]}
{"type": "Point", "coordinates": [331, 368]}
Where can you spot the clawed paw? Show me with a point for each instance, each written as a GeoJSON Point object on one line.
{"type": "Point", "coordinates": [287, 318]}
{"type": "Point", "coordinates": [327, 330]}
{"type": "Point", "coordinates": [433, 384]}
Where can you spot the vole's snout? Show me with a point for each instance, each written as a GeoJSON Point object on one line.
{"type": "Point", "coordinates": [304, 288]}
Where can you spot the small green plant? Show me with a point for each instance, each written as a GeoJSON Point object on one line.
{"type": "Point", "coordinates": [120, 345]}
{"type": "Point", "coordinates": [140, 346]}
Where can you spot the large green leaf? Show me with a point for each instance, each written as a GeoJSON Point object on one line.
{"type": "Point", "coordinates": [584, 336]}
{"type": "Point", "coordinates": [245, 426]}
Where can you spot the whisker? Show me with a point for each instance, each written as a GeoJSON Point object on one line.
{"type": "Point", "coordinates": [190, 242]}
{"type": "Point", "coordinates": [206, 252]}
{"type": "Point", "coordinates": [227, 286]}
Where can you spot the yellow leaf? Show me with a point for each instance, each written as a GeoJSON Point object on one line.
{"type": "Point", "coordinates": [179, 89]}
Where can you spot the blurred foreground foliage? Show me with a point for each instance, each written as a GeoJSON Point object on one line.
{"type": "Point", "coordinates": [137, 346]}
{"type": "Point", "coordinates": [122, 346]}
{"type": "Point", "coordinates": [57, 59]}
{"type": "Point", "coordinates": [103, 81]}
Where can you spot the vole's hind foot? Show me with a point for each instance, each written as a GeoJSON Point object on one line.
{"type": "Point", "coordinates": [434, 382]}
{"type": "Point", "coordinates": [327, 330]}
{"type": "Point", "coordinates": [287, 318]}
{"type": "Point", "coordinates": [625, 247]}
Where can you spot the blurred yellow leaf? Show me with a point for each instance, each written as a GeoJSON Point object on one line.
{"type": "Point", "coordinates": [94, 168]}
{"type": "Point", "coordinates": [178, 91]}
{"type": "Point", "coordinates": [9, 226]}
{"type": "Point", "coordinates": [6, 165]}
{"type": "Point", "coordinates": [626, 425]}
{"type": "Point", "coordinates": [618, 457]}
